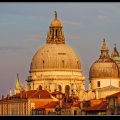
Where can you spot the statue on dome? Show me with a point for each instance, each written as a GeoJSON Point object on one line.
{"type": "Point", "coordinates": [55, 14]}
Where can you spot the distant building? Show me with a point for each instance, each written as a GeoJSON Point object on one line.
{"type": "Point", "coordinates": [113, 104]}
{"type": "Point", "coordinates": [104, 74]}
{"type": "Point", "coordinates": [97, 107]}
{"type": "Point", "coordinates": [24, 102]}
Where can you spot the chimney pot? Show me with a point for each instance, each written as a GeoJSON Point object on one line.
{"type": "Point", "coordinates": [2, 97]}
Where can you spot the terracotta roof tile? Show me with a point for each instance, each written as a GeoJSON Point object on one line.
{"type": "Point", "coordinates": [52, 104]}
{"type": "Point", "coordinates": [114, 95]}
{"type": "Point", "coordinates": [101, 106]}
{"type": "Point", "coordinates": [31, 94]}
{"type": "Point", "coordinates": [66, 105]}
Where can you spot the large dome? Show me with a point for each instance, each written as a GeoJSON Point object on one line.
{"type": "Point", "coordinates": [55, 66]}
{"type": "Point", "coordinates": [55, 56]}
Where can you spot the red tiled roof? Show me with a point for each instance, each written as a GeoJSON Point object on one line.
{"type": "Point", "coordinates": [86, 103]}
{"type": "Point", "coordinates": [114, 95]}
{"type": "Point", "coordinates": [52, 104]}
{"type": "Point", "coordinates": [75, 105]}
{"type": "Point", "coordinates": [31, 94]}
{"type": "Point", "coordinates": [101, 106]}
{"type": "Point", "coordinates": [66, 105]}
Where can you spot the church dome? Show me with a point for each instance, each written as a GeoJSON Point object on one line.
{"type": "Point", "coordinates": [104, 67]}
{"type": "Point", "coordinates": [55, 56]}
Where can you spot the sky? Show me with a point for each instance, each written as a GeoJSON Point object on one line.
{"type": "Point", "coordinates": [24, 27]}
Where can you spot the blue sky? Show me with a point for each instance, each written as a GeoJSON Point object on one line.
{"type": "Point", "coordinates": [24, 27]}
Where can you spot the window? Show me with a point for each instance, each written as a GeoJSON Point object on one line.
{"type": "Point", "coordinates": [40, 87]}
{"type": "Point", "coordinates": [43, 63]}
{"type": "Point", "coordinates": [119, 83]}
{"type": "Point", "coordinates": [63, 63]}
{"type": "Point", "coordinates": [14, 109]}
{"type": "Point", "coordinates": [56, 33]}
{"type": "Point", "coordinates": [75, 112]}
{"type": "Point", "coordinates": [98, 83]}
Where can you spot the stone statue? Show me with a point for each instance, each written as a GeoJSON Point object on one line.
{"type": "Point", "coordinates": [55, 14]}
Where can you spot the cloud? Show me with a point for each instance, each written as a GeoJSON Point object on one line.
{"type": "Point", "coordinates": [70, 23]}
{"type": "Point", "coordinates": [102, 17]}
{"type": "Point", "coordinates": [14, 48]}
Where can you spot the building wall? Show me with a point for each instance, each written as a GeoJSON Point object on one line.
{"type": "Point", "coordinates": [36, 103]}
{"type": "Point", "coordinates": [104, 82]}
{"type": "Point", "coordinates": [105, 93]}
{"type": "Point", "coordinates": [66, 111]}
{"type": "Point", "coordinates": [13, 108]}
{"type": "Point", "coordinates": [50, 80]}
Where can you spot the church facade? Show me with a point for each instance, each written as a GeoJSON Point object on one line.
{"type": "Point", "coordinates": [56, 66]}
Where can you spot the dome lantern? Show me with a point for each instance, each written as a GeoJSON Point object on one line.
{"type": "Point", "coordinates": [115, 53]}
{"type": "Point", "coordinates": [104, 50]}
{"type": "Point", "coordinates": [55, 34]}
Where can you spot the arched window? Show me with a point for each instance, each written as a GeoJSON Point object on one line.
{"type": "Point", "coordinates": [59, 88]}
{"type": "Point", "coordinates": [67, 89]}
{"type": "Point", "coordinates": [56, 33]}
{"type": "Point", "coordinates": [40, 87]}
{"type": "Point", "coordinates": [75, 112]}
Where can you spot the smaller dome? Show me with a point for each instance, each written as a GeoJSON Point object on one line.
{"type": "Point", "coordinates": [104, 47]}
{"type": "Point", "coordinates": [115, 53]}
{"type": "Point", "coordinates": [55, 23]}
{"type": "Point", "coordinates": [104, 68]}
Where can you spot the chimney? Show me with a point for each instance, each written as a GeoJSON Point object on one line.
{"type": "Point", "coordinates": [7, 96]}
{"type": "Point", "coordinates": [10, 92]}
{"type": "Point", "coordinates": [2, 97]}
